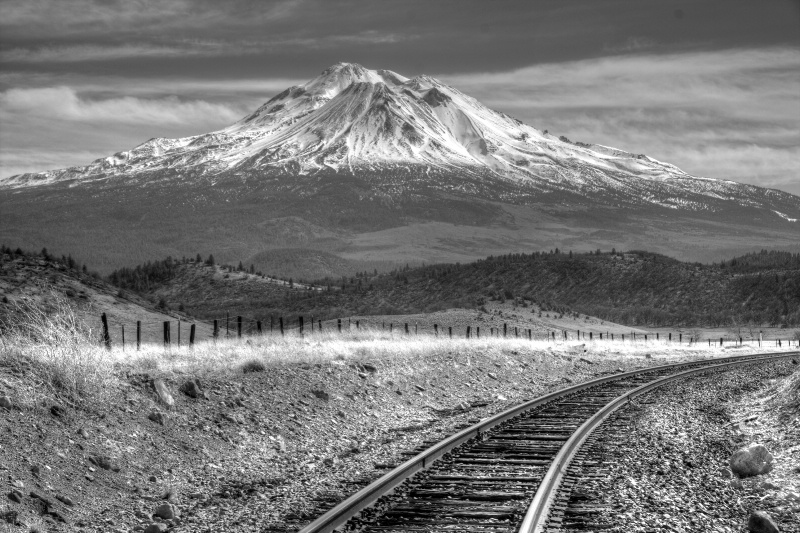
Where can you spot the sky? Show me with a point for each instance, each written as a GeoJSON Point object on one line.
{"type": "Point", "coordinates": [712, 86]}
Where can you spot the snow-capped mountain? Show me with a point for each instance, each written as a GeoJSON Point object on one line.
{"type": "Point", "coordinates": [351, 119]}
{"type": "Point", "coordinates": [357, 151]}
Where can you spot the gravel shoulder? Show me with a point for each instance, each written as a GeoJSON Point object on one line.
{"type": "Point", "coordinates": [661, 463]}
{"type": "Point", "coordinates": [265, 450]}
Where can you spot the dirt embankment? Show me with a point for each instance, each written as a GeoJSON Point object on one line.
{"type": "Point", "coordinates": [266, 450]}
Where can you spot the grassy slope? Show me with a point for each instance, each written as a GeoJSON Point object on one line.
{"type": "Point", "coordinates": [30, 280]}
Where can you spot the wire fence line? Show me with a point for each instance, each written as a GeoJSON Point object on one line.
{"type": "Point", "coordinates": [240, 326]}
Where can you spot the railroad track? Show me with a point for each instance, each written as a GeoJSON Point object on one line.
{"type": "Point", "coordinates": [504, 473]}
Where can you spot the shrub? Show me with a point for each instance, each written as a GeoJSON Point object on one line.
{"type": "Point", "coordinates": [253, 365]}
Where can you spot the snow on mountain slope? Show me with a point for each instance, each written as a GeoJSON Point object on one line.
{"type": "Point", "coordinates": [351, 119]}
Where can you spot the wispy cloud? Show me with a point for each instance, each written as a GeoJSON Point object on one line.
{"type": "Point", "coordinates": [63, 103]}
{"type": "Point", "coordinates": [724, 114]}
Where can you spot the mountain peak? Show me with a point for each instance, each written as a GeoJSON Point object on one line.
{"type": "Point", "coordinates": [353, 119]}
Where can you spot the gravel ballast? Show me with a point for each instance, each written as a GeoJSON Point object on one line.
{"type": "Point", "coordinates": [663, 461]}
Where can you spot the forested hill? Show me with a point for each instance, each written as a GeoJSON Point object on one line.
{"type": "Point", "coordinates": [635, 288]}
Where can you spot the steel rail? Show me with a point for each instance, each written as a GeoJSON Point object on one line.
{"type": "Point", "coordinates": [365, 497]}
{"type": "Point", "coordinates": [538, 512]}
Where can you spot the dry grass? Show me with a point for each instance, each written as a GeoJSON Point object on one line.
{"type": "Point", "coordinates": [65, 355]}
{"type": "Point", "coordinates": [60, 351]}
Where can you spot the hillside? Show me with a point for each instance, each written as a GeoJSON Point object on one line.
{"type": "Point", "coordinates": [35, 281]}
{"type": "Point", "coordinates": [360, 169]}
{"type": "Point", "coordinates": [633, 288]}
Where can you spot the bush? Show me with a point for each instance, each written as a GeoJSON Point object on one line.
{"type": "Point", "coordinates": [253, 365]}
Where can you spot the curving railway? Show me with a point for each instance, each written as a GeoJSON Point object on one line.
{"type": "Point", "coordinates": [510, 472]}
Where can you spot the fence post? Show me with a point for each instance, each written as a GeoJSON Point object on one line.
{"type": "Point", "coordinates": [358, 324]}
{"type": "Point", "coordinates": [258, 327]}
{"type": "Point", "coordinates": [530, 334]}
{"type": "Point", "coordinates": [339, 324]}
{"type": "Point", "coordinates": [657, 336]}
{"type": "Point", "coordinates": [505, 329]}
{"type": "Point", "coordinates": [138, 335]}
{"type": "Point", "coordinates": [516, 332]}
{"type": "Point", "coordinates": [670, 337]}
{"type": "Point", "coordinates": [227, 323]}
{"type": "Point", "coordinates": [477, 332]}
{"type": "Point", "coordinates": [590, 335]}
{"type": "Point", "coordinates": [436, 330]}
{"type": "Point", "coordinates": [123, 337]}
{"type": "Point", "coordinates": [720, 341]}
{"type": "Point", "coordinates": [645, 337]}
{"type": "Point", "coordinates": [300, 323]}
{"type": "Point", "coordinates": [415, 328]}
{"type": "Point", "coordinates": [680, 338]}
{"type": "Point", "coordinates": [406, 328]}
{"type": "Point", "coordinates": [191, 336]}
{"type": "Point", "coordinates": [179, 333]}
{"type": "Point", "coordinates": [623, 337]}
{"type": "Point", "coordinates": [216, 330]}
{"type": "Point", "coordinates": [319, 325]}
{"type": "Point", "coordinates": [166, 333]}
{"type": "Point", "coordinates": [391, 327]}
{"type": "Point", "coordinates": [106, 334]}
{"type": "Point", "coordinates": [450, 331]}
{"type": "Point", "coordinates": [280, 325]}
{"type": "Point", "coordinates": [312, 324]}
{"type": "Point", "coordinates": [271, 327]}
{"type": "Point", "coordinates": [468, 328]}
{"type": "Point", "coordinates": [612, 337]}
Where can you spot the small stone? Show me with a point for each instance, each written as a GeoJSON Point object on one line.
{"type": "Point", "coordinates": [280, 444]}
{"type": "Point", "coordinates": [192, 389]}
{"type": "Point", "coordinates": [321, 394]}
{"type": "Point", "coordinates": [751, 461]}
{"type": "Point", "coordinates": [157, 417]}
{"type": "Point", "coordinates": [420, 388]}
{"type": "Point", "coordinates": [369, 368]}
{"type": "Point", "coordinates": [57, 411]}
{"type": "Point", "coordinates": [737, 483]}
{"type": "Point", "coordinates": [165, 511]}
{"type": "Point", "coordinates": [66, 500]}
{"type": "Point", "coordinates": [163, 394]}
{"type": "Point", "coordinates": [155, 528]}
{"type": "Point", "coordinates": [761, 522]}
{"type": "Point", "coordinates": [18, 484]}
{"type": "Point", "coordinates": [152, 479]}
{"type": "Point", "coordinates": [362, 375]}
{"type": "Point", "coordinates": [725, 473]}
{"type": "Point", "coordinates": [768, 485]}
{"type": "Point", "coordinates": [491, 375]}
{"type": "Point", "coordinates": [5, 402]}
{"type": "Point", "coordinates": [83, 433]}
{"type": "Point", "coordinates": [15, 496]}
{"type": "Point", "coordinates": [36, 470]}
{"type": "Point", "coordinates": [105, 462]}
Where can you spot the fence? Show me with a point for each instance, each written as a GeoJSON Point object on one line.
{"type": "Point", "coordinates": [242, 326]}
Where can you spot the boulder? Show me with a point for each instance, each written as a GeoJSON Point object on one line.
{"type": "Point", "coordinates": [157, 417]}
{"type": "Point", "coordinates": [163, 394]}
{"type": "Point", "coordinates": [5, 402]}
{"type": "Point", "coordinates": [761, 522]}
{"type": "Point", "coordinates": [752, 460]}
{"type": "Point", "coordinates": [192, 389]}
{"type": "Point", "coordinates": [155, 528]}
{"type": "Point", "coordinates": [166, 511]}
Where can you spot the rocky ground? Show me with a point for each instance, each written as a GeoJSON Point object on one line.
{"type": "Point", "coordinates": [663, 462]}
{"type": "Point", "coordinates": [266, 449]}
